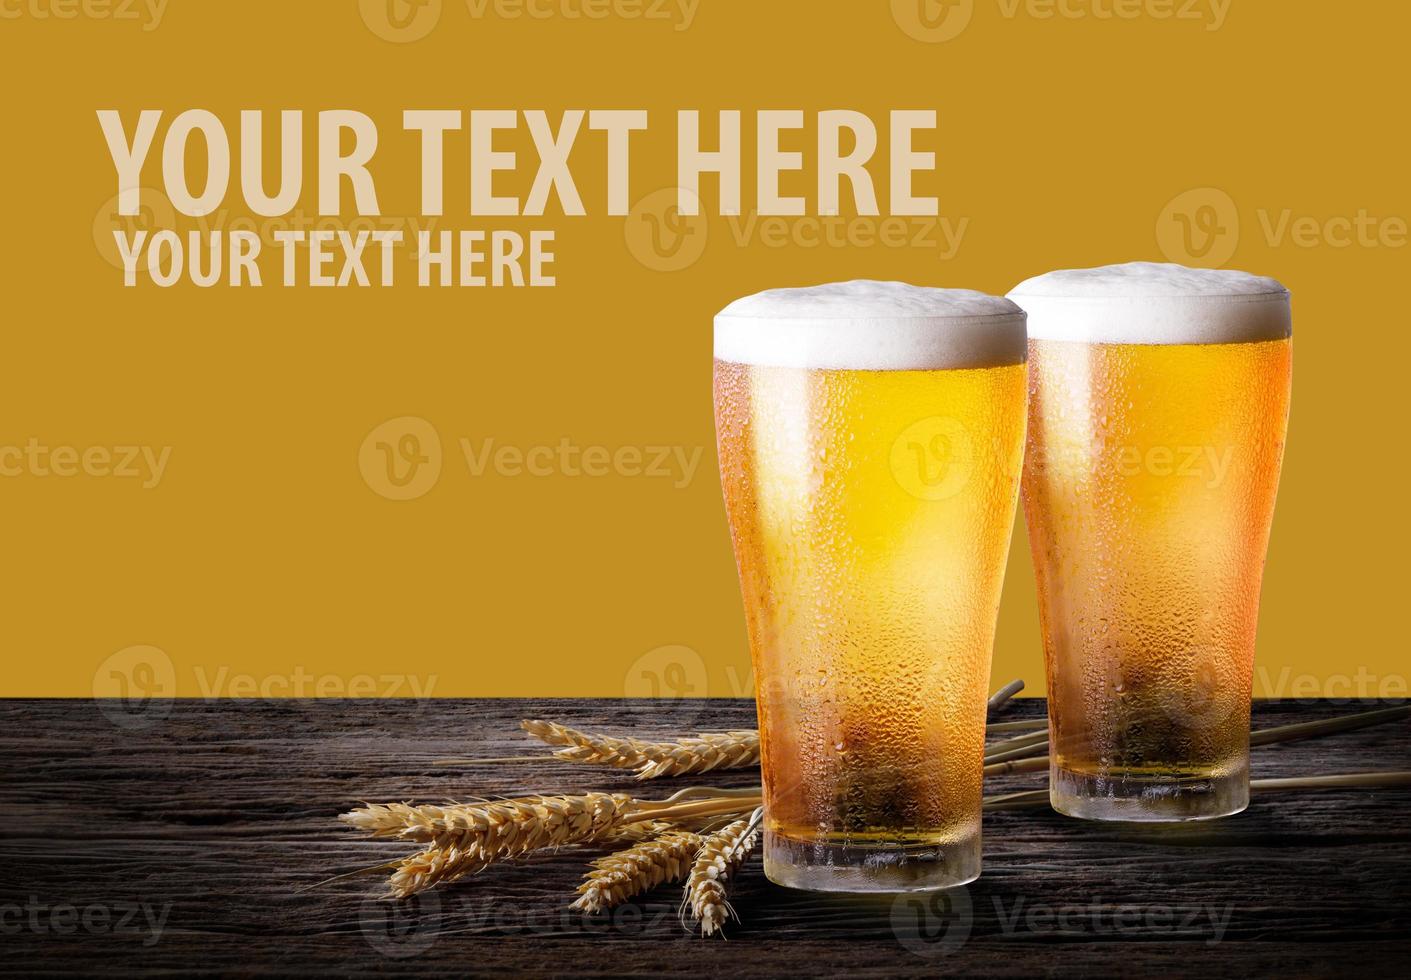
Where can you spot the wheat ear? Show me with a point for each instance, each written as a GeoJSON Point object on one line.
{"type": "Point", "coordinates": [435, 865]}
{"type": "Point", "coordinates": [476, 837]}
{"type": "Point", "coordinates": [721, 854]}
{"type": "Point", "coordinates": [693, 754]}
{"type": "Point", "coordinates": [635, 833]}
{"type": "Point", "coordinates": [464, 838]}
{"type": "Point", "coordinates": [638, 869]}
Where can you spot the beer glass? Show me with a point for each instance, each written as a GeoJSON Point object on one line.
{"type": "Point", "coordinates": [1158, 405]}
{"type": "Point", "coordinates": [870, 439]}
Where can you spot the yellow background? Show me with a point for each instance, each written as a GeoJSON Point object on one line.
{"type": "Point", "coordinates": [264, 554]}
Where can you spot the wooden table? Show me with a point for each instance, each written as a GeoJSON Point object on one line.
{"type": "Point", "coordinates": [185, 840]}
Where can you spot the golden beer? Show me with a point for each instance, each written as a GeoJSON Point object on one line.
{"type": "Point", "coordinates": [1149, 485]}
{"type": "Point", "coordinates": [870, 439]}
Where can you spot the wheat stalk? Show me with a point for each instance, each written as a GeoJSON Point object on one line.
{"type": "Point", "coordinates": [638, 869]}
{"type": "Point", "coordinates": [693, 754]}
{"type": "Point", "coordinates": [463, 838]}
{"type": "Point", "coordinates": [720, 855]}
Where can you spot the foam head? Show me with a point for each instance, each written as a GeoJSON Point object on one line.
{"type": "Point", "coordinates": [1151, 303]}
{"type": "Point", "coordinates": [871, 326]}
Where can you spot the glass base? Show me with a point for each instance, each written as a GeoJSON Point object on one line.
{"type": "Point", "coordinates": [884, 867]}
{"type": "Point", "coordinates": [1148, 799]}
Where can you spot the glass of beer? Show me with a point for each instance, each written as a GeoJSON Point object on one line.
{"type": "Point", "coordinates": [870, 438]}
{"type": "Point", "coordinates": [1158, 406]}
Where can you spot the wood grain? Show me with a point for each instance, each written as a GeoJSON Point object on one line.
{"type": "Point", "coordinates": [213, 818]}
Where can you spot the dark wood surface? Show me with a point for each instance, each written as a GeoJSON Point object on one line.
{"type": "Point", "coordinates": [215, 818]}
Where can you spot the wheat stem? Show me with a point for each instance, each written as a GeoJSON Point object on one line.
{"type": "Point", "coordinates": [1329, 726]}
{"type": "Point", "coordinates": [1022, 725]}
{"type": "Point", "coordinates": [1003, 696]}
{"type": "Point", "coordinates": [1353, 780]}
{"type": "Point", "coordinates": [1017, 748]}
{"type": "Point", "coordinates": [1018, 741]}
{"type": "Point", "coordinates": [1017, 755]}
{"type": "Point", "coordinates": [1016, 801]}
{"type": "Point", "coordinates": [703, 808]}
{"type": "Point", "coordinates": [499, 760]}
{"type": "Point", "coordinates": [1016, 766]}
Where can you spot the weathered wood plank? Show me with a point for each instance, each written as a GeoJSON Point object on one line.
{"type": "Point", "coordinates": [209, 821]}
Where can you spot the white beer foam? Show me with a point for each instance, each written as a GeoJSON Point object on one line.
{"type": "Point", "coordinates": [1154, 303]}
{"type": "Point", "coordinates": [866, 325]}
